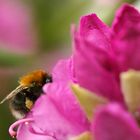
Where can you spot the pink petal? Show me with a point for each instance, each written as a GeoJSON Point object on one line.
{"type": "Point", "coordinates": [95, 31]}
{"type": "Point", "coordinates": [114, 123]}
{"type": "Point", "coordinates": [63, 70]}
{"type": "Point", "coordinates": [94, 62]}
{"type": "Point", "coordinates": [126, 38]}
{"type": "Point", "coordinates": [25, 134]}
{"type": "Point", "coordinates": [50, 118]}
{"type": "Point", "coordinates": [66, 103]}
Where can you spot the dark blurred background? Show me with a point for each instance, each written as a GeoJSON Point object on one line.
{"type": "Point", "coordinates": [34, 34]}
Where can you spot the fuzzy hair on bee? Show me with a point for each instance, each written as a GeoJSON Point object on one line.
{"type": "Point", "coordinates": [24, 96]}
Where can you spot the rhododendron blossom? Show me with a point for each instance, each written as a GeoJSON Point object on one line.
{"type": "Point", "coordinates": [108, 58]}
{"type": "Point", "coordinates": [108, 91]}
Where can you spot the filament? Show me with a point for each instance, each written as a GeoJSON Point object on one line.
{"type": "Point", "coordinates": [12, 132]}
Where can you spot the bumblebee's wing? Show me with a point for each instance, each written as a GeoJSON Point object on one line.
{"type": "Point", "coordinates": [13, 93]}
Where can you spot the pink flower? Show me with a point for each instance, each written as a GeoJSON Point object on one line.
{"type": "Point", "coordinates": [16, 32]}
{"type": "Point", "coordinates": [102, 62]}
{"type": "Point", "coordinates": [102, 52]}
{"type": "Point", "coordinates": [56, 114]}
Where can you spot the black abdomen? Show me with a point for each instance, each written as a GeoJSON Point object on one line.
{"type": "Point", "coordinates": [18, 104]}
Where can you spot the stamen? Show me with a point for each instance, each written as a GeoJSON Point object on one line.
{"type": "Point", "coordinates": [11, 128]}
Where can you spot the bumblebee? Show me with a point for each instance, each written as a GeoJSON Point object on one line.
{"type": "Point", "coordinates": [24, 96]}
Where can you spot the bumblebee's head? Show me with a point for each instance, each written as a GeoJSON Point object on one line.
{"type": "Point", "coordinates": [39, 77]}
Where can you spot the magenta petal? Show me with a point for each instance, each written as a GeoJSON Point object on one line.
{"type": "Point", "coordinates": [25, 134]}
{"type": "Point", "coordinates": [94, 62]}
{"type": "Point", "coordinates": [126, 38]}
{"type": "Point", "coordinates": [126, 15]}
{"type": "Point", "coordinates": [114, 123]}
{"type": "Point", "coordinates": [95, 31]}
{"type": "Point", "coordinates": [63, 71]}
{"type": "Point", "coordinates": [66, 103]}
{"type": "Point", "coordinates": [96, 69]}
{"type": "Point", "coordinates": [49, 118]}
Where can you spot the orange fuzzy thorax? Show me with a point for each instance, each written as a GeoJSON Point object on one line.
{"type": "Point", "coordinates": [33, 77]}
